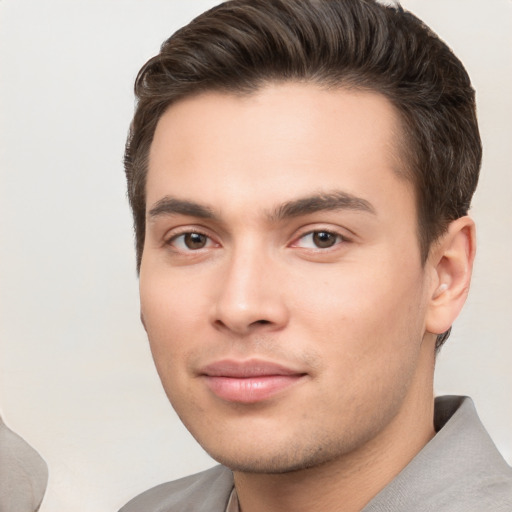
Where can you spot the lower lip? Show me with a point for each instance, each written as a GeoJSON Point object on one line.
{"type": "Point", "coordinates": [251, 389]}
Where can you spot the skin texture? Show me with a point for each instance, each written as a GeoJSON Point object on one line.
{"type": "Point", "coordinates": [353, 320]}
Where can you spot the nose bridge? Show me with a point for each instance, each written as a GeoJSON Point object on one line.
{"type": "Point", "coordinates": [248, 293]}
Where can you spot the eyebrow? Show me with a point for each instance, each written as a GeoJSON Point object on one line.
{"type": "Point", "coordinates": [173, 206]}
{"type": "Point", "coordinates": [324, 201]}
{"type": "Point", "coordinates": [327, 201]}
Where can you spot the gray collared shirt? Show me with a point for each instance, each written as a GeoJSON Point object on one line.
{"type": "Point", "coordinates": [459, 470]}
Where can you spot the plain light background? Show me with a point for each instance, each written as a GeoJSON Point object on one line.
{"type": "Point", "coordinates": [76, 376]}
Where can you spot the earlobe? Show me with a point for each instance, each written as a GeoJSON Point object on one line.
{"type": "Point", "coordinates": [452, 262]}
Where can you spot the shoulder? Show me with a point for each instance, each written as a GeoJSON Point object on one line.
{"type": "Point", "coordinates": [467, 472]}
{"type": "Point", "coordinates": [493, 493]}
{"type": "Point", "coordinates": [459, 470]}
{"type": "Point", "coordinates": [207, 491]}
{"type": "Point", "coordinates": [23, 473]}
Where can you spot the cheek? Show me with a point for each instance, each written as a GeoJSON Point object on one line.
{"type": "Point", "coordinates": [173, 309]}
{"type": "Point", "coordinates": [365, 306]}
{"type": "Point", "coordinates": [170, 311]}
{"type": "Point", "coordinates": [368, 328]}
{"type": "Point", "coordinates": [169, 298]}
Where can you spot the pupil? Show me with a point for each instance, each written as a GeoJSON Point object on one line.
{"type": "Point", "coordinates": [324, 239]}
{"type": "Point", "coordinates": [195, 240]}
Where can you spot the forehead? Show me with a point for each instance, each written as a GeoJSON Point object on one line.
{"type": "Point", "coordinates": [284, 140]}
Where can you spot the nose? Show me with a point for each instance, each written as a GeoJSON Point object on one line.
{"type": "Point", "coordinates": [249, 296]}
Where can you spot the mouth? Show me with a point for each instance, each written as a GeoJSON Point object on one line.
{"type": "Point", "coordinates": [248, 382]}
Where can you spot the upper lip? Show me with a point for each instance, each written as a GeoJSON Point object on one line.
{"type": "Point", "coordinates": [246, 369]}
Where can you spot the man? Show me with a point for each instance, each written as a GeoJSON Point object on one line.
{"type": "Point", "coordinates": [300, 174]}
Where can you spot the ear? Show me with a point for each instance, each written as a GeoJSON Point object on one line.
{"type": "Point", "coordinates": [451, 259]}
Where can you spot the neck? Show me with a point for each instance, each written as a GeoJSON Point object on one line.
{"type": "Point", "coordinates": [354, 479]}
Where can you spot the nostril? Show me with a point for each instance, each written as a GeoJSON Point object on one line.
{"type": "Point", "coordinates": [262, 322]}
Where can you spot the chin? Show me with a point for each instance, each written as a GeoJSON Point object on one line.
{"type": "Point", "coordinates": [274, 461]}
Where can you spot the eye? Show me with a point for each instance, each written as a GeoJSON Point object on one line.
{"type": "Point", "coordinates": [319, 240]}
{"type": "Point", "coordinates": [191, 241]}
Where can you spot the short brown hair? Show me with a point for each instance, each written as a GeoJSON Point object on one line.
{"type": "Point", "coordinates": [240, 45]}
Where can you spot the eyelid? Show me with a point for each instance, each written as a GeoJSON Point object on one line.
{"type": "Point", "coordinates": [175, 233]}
{"type": "Point", "coordinates": [321, 229]}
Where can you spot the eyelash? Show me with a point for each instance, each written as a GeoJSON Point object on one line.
{"type": "Point", "coordinates": [172, 240]}
{"type": "Point", "coordinates": [339, 239]}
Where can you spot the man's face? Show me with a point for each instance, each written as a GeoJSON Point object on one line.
{"type": "Point", "coordinates": [281, 280]}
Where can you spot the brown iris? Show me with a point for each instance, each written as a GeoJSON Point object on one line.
{"type": "Point", "coordinates": [324, 239]}
{"type": "Point", "coordinates": [195, 240]}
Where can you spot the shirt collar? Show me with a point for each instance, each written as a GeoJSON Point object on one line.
{"type": "Point", "coordinates": [233, 502]}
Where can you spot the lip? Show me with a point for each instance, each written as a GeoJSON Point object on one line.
{"type": "Point", "coordinates": [249, 381]}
